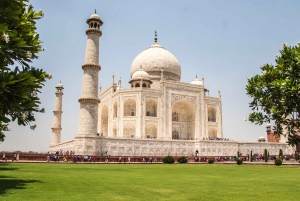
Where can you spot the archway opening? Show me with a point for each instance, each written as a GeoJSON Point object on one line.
{"type": "Point", "coordinates": [183, 120]}
{"type": "Point", "coordinates": [151, 131]}
{"type": "Point", "coordinates": [129, 130]}
{"type": "Point", "coordinates": [115, 131]}
{"type": "Point", "coordinates": [212, 132]}
{"type": "Point", "coordinates": [104, 121]}
{"type": "Point", "coordinates": [151, 108]}
{"type": "Point", "coordinates": [130, 107]}
{"type": "Point", "coordinates": [115, 110]}
{"type": "Point", "coordinates": [211, 113]}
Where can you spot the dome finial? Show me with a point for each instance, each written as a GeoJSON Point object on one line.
{"type": "Point", "coordinates": [95, 11]}
{"type": "Point", "coordinates": [155, 38]}
{"type": "Point", "coordinates": [196, 76]}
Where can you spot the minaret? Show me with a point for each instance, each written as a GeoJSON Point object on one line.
{"type": "Point", "coordinates": [89, 100]}
{"type": "Point", "coordinates": [56, 127]}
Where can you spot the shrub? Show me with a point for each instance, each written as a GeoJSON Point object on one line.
{"type": "Point", "coordinates": [182, 159]}
{"type": "Point", "coordinates": [239, 161]}
{"type": "Point", "coordinates": [211, 161]}
{"type": "Point", "coordinates": [278, 162]}
{"type": "Point", "coordinates": [168, 159]}
{"type": "Point", "coordinates": [287, 158]}
{"type": "Point", "coordinates": [297, 157]}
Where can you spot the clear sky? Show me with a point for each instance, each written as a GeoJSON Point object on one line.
{"type": "Point", "coordinates": [225, 41]}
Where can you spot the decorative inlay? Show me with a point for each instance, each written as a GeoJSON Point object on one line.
{"type": "Point", "coordinates": [177, 97]}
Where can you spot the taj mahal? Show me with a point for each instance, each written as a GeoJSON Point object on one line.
{"type": "Point", "coordinates": [157, 116]}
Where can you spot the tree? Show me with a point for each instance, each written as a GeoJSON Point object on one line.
{"type": "Point", "coordinates": [276, 94]}
{"type": "Point", "coordinates": [19, 43]}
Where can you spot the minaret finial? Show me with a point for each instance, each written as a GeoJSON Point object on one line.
{"type": "Point", "coordinates": [95, 11]}
{"type": "Point", "coordinates": [155, 38]}
{"type": "Point", "coordinates": [196, 76]}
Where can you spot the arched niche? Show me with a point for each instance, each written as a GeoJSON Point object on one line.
{"type": "Point", "coordinates": [212, 132]}
{"type": "Point", "coordinates": [151, 107]}
{"type": "Point", "coordinates": [130, 107]}
{"type": "Point", "coordinates": [115, 110]}
{"type": "Point", "coordinates": [129, 130]}
{"type": "Point", "coordinates": [151, 131]}
{"type": "Point", "coordinates": [115, 130]}
{"type": "Point", "coordinates": [104, 121]}
{"type": "Point", "coordinates": [211, 114]}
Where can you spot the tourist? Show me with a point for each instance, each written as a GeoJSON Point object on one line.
{"type": "Point", "coordinates": [14, 158]}
{"type": "Point", "coordinates": [94, 159]}
{"type": "Point", "coordinates": [120, 159]}
{"type": "Point", "coordinates": [48, 159]}
{"type": "Point", "coordinates": [106, 159]}
{"type": "Point", "coordinates": [155, 160]}
{"type": "Point", "coordinates": [150, 159]}
{"type": "Point", "coordinates": [3, 157]}
{"type": "Point", "coordinates": [128, 159]}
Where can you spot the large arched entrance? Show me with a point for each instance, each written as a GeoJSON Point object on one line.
{"type": "Point", "coordinates": [104, 121]}
{"type": "Point", "coordinates": [183, 120]}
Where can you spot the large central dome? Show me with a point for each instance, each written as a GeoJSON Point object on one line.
{"type": "Point", "coordinates": [154, 59]}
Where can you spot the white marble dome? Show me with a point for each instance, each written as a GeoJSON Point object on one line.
{"type": "Point", "coordinates": [154, 59]}
{"type": "Point", "coordinates": [140, 74]}
{"type": "Point", "coordinates": [197, 82]}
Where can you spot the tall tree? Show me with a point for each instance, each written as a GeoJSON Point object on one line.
{"type": "Point", "coordinates": [19, 43]}
{"type": "Point", "coordinates": [276, 94]}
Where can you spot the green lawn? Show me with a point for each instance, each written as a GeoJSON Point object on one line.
{"type": "Point", "coordinates": [25, 181]}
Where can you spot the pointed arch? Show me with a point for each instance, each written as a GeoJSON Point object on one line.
{"type": "Point", "coordinates": [129, 130]}
{"type": "Point", "coordinates": [115, 130]}
{"type": "Point", "coordinates": [212, 132]}
{"type": "Point", "coordinates": [104, 121]}
{"type": "Point", "coordinates": [211, 114]}
{"type": "Point", "coordinates": [151, 131]}
{"type": "Point", "coordinates": [130, 107]}
{"type": "Point", "coordinates": [151, 107]}
{"type": "Point", "coordinates": [115, 110]}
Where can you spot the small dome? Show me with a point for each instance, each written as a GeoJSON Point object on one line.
{"type": "Point", "coordinates": [60, 85]}
{"type": "Point", "coordinates": [95, 16]}
{"type": "Point", "coordinates": [261, 139]}
{"type": "Point", "coordinates": [140, 74]}
{"type": "Point", "coordinates": [197, 82]}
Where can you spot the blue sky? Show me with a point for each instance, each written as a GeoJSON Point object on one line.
{"type": "Point", "coordinates": [225, 41]}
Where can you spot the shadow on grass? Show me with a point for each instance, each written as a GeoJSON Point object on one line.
{"type": "Point", "coordinates": [8, 183]}
{"type": "Point", "coordinates": [5, 166]}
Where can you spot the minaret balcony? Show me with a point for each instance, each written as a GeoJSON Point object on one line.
{"type": "Point", "coordinates": [89, 100]}
{"type": "Point", "coordinates": [93, 30]}
{"type": "Point", "coordinates": [91, 66]}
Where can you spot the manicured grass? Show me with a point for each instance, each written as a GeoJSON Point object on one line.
{"type": "Point", "coordinates": [26, 181]}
